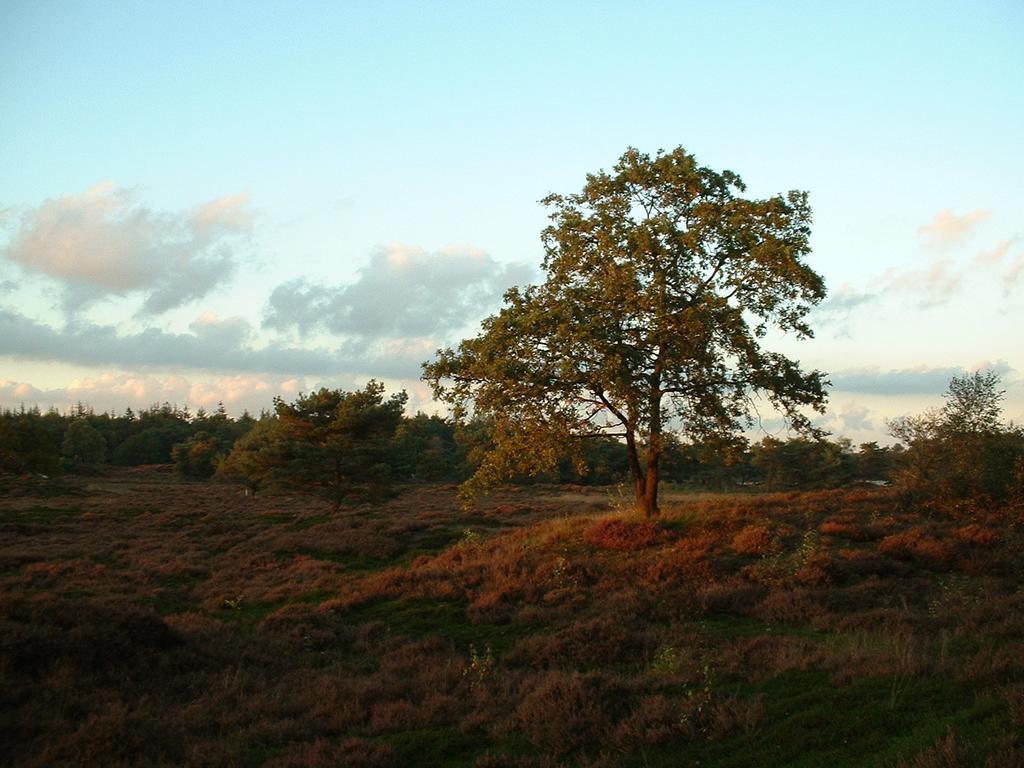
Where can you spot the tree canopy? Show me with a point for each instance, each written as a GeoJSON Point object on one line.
{"type": "Point", "coordinates": [963, 450]}
{"type": "Point", "coordinates": [330, 441]}
{"type": "Point", "coordinates": [661, 284]}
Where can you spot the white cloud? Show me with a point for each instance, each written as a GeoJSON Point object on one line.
{"type": "Point", "coordinates": [403, 291]}
{"type": "Point", "coordinates": [934, 283]}
{"type": "Point", "coordinates": [1013, 274]}
{"type": "Point", "coordinates": [919, 380]}
{"type": "Point", "coordinates": [995, 256]}
{"type": "Point", "coordinates": [104, 242]}
{"type": "Point", "coordinates": [855, 421]}
{"type": "Point", "coordinates": [842, 302]}
{"type": "Point", "coordinates": [213, 345]}
{"type": "Point", "coordinates": [116, 391]}
{"type": "Point", "coordinates": [948, 229]}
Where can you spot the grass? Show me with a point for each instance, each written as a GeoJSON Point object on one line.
{"type": "Point", "coordinates": [811, 723]}
{"type": "Point", "coordinates": [148, 621]}
{"type": "Point", "coordinates": [423, 617]}
{"type": "Point", "coordinates": [40, 515]}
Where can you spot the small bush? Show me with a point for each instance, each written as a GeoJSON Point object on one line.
{"type": "Point", "coordinates": [917, 545]}
{"type": "Point", "coordinates": [624, 535]}
{"type": "Point", "coordinates": [754, 540]}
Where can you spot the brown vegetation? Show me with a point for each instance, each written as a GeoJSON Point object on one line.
{"type": "Point", "coordinates": [149, 620]}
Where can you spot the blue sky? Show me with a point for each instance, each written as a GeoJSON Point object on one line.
{"type": "Point", "coordinates": [227, 201]}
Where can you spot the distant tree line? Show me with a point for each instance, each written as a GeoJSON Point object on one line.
{"type": "Point", "coordinates": [345, 440]}
{"type": "Point", "coordinates": [35, 441]}
{"type": "Point", "coordinates": [356, 445]}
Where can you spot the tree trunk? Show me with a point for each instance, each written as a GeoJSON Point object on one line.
{"type": "Point", "coordinates": [654, 444]}
{"type": "Point", "coordinates": [650, 506]}
{"type": "Point", "coordinates": [639, 482]}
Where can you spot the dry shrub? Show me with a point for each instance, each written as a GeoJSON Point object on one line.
{"type": "Point", "coordinates": [992, 665]}
{"type": "Point", "coordinates": [654, 720]}
{"type": "Point", "coordinates": [1008, 757]}
{"type": "Point", "coordinates": [397, 715]}
{"type": "Point", "coordinates": [624, 535]}
{"type": "Point", "coordinates": [339, 705]}
{"type": "Point", "coordinates": [496, 606]}
{"type": "Point", "coordinates": [304, 625]}
{"type": "Point", "coordinates": [976, 535]}
{"type": "Point", "coordinates": [733, 713]}
{"type": "Point", "coordinates": [415, 661]}
{"type": "Point", "coordinates": [563, 712]}
{"type": "Point", "coordinates": [871, 619]}
{"type": "Point", "coordinates": [848, 527]}
{"type": "Point", "coordinates": [687, 559]}
{"type": "Point", "coordinates": [860, 562]}
{"type": "Point", "coordinates": [733, 595]}
{"type": "Point", "coordinates": [1014, 697]}
{"type": "Point", "coordinates": [754, 540]}
{"type": "Point", "coordinates": [896, 654]}
{"type": "Point", "coordinates": [788, 606]}
{"type": "Point", "coordinates": [584, 643]}
{"type": "Point", "coordinates": [819, 570]}
{"type": "Point", "coordinates": [696, 545]}
{"type": "Point", "coordinates": [99, 638]}
{"type": "Point", "coordinates": [352, 751]}
{"type": "Point", "coordinates": [918, 545]}
{"type": "Point", "coordinates": [675, 567]}
{"type": "Point", "coordinates": [497, 760]}
{"type": "Point", "coordinates": [764, 657]}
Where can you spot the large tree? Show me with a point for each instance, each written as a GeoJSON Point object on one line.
{"type": "Point", "coordinates": [662, 283]}
{"type": "Point", "coordinates": [330, 442]}
{"type": "Point", "coordinates": [338, 442]}
{"type": "Point", "coordinates": [962, 451]}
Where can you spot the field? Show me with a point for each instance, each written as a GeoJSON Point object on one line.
{"type": "Point", "coordinates": [145, 620]}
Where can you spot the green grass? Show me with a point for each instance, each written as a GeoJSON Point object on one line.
{"type": "Point", "coordinates": [727, 626]}
{"type": "Point", "coordinates": [421, 617]}
{"type": "Point", "coordinates": [809, 722]}
{"type": "Point", "coordinates": [353, 561]}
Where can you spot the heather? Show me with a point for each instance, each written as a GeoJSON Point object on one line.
{"type": "Point", "coordinates": [147, 619]}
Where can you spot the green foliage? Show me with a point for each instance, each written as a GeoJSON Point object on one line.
{"type": "Point", "coordinates": [198, 456]}
{"type": "Point", "coordinates": [255, 455]}
{"type": "Point", "coordinates": [875, 462]}
{"type": "Point", "coordinates": [83, 444]}
{"type": "Point", "coordinates": [661, 282]}
{"type": "Point", "coordinates": [973, 404]}
{"type": "Point", "coordinates": [26, 445]}
{"type": "Point", "coordinates": [335, 443]}
{"type": "Point", "coordinates": [666, 660]}
{"type": "Point", "coordinates": [961, 451]}
{"type": "Point", "coordinates": [425, 448]}
{"type": "Point", "coordinates": [150, 446]}
{"type": "Point", "coordinates": [803, 463]}
{"type": "Point", "coordinates": [480, 667]}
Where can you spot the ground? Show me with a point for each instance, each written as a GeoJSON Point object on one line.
{"type": "Point", "coordinates": [147, 620]}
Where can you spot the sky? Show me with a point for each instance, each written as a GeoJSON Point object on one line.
{"type": "Point", "coordinates": [226, 202]}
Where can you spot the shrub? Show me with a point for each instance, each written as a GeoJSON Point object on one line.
{"type": "Point", "coordinates": [198, 456]}
{"type": "Point", "coordinates": [624, 535]}
{"type": "Point", "coordinates": [918, 545]}
{"type": "Point", "coordinates": [754, 540]}
{"type": "Point", "coordinates": [961, 452]}
{"type": "Point", "coordinates": [564, 712]}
